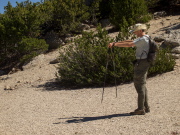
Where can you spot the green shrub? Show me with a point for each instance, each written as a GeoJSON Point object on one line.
{"type": "Point", "coordinates": [133, 11]}
{"type": "Point", "coordinates": [94, 11]}
{"type": "Point", "coordinates": [66, 15]}
{"type": "Point", "coordinates": [84, 62]}
{"type": "Point", "coordinates": [19, 26]}
{"type": "Point", "coordinates": [31, 47]}
{"type": "Point", "coordinates": [164, 63]}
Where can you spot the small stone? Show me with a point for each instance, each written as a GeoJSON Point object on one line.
{"type": "Point", "coordinates": [8, 88]}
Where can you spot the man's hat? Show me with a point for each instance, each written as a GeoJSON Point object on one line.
{"type": "Point", "coordinates": [137, 27]}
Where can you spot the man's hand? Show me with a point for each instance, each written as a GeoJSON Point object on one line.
{"type": "Point", "coordinates": [110, 45]}
{"type": "Point", "coordinates": [126, 43]}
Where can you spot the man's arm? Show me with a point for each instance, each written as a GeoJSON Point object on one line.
{"type": "Point", "coordinates": [126, 43]}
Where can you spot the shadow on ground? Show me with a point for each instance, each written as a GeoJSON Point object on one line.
{"type": "Point", "coordinates": [87, 119]}
{"type": "Point", "coordinates": [53, 85]}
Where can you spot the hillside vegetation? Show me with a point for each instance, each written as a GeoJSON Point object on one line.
{"type": "Point", "coordinates": [24, 28]}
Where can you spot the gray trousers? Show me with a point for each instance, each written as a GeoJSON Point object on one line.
{"type": "Point", "coordinates": [140, 74]}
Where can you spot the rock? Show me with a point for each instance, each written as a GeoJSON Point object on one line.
{"type": "Point", "coordinates": [163, 45]}
{"type": "Point", "coordinates": [92, 26]}
{"type": "Point", "coordinates": [176, 27]}
{"type": "Point", "coordinates": [113, 35]}
{"type": "Point", "coordinates": [14, 70]}
{"type": "Point", "coordinates": [54, 61]}
{"type": "Point", "coordinates": [71, 39]}
{"type": "Point", "coordinates": [105, 22]}
{"type": "Point", "coordinates": [176, 56]}
{"type": "Point", "coordinates": [171, 39]}
{"type": "Point", "coordinates": [176, 50]}
{"type": "Point", "coordinates": [159, 38]}
{"type": "Point", "coordinates": [159, 14]}
{"type": "Point", "coordinates": [53, 40]}
{"type": "Point", "coordinates": [172, 43]}
{"type": "Point", "coordinates": [68, 35]}
{"type": "Point", "coordinates": [83, 27]}
{"type": "Point", "coordinates": [172, 34]}
{"type": "Point", "coordinates": [8, 88]}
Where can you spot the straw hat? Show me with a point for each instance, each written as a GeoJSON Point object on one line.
{"type": "Point", "coordinates": [137, 27]}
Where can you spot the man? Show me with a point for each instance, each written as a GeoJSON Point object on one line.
{"type": "Point", "coordinates": [141, 66]}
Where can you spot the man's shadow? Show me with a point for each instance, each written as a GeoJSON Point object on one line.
{"type": "Point", "coordinates": [87, 119]}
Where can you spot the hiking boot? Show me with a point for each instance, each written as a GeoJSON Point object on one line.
{"type": "Point", "coordinates": [138, 112]}
{"type": "Point", "coordinates": [147, 110]}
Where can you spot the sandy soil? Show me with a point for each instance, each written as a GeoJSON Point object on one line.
{"type": "Point", "coordinates": [33, 105]}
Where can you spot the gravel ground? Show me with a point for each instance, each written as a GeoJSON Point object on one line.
{"type": "Point", "coordinates": [31, 106]}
